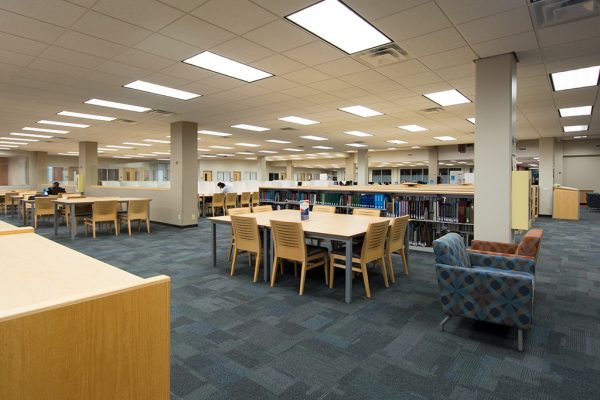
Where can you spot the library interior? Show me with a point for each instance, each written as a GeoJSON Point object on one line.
{"type": "Point", "coordinates": [387, 200]}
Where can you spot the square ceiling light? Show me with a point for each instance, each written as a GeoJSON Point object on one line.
{"type": "Point", "coordinates": [356, 145]}
{"type": "Point", "coordinates": [358, 133]}
{"type": "Point", "coordinates": [162, 90]}
{"type": "Point", "coordinates": [361, 111]}
{"type": "Point", "coordinates": [336, 23]}
{"type": "Point", "coordinates": [113, 104]}
{"type": "Point", "coordinates": [447, 98]}
{"type": "Point", "coordinates": [471, 120]}
{"type": "Point", "coordinates": [445, 138]}
{"type": "Point", "coordinates": [69, 124]}
{"type": "Point", "coordinates": [85, 116]}
{"type": "Point", "coordinates": [247, 144]}
{"type": "Point", "coordinates": [31, 135]}
{"type": "Point", "coordinates": [413, 128]}
{"type": "Point", "coordinates": [214, 133]}
{"type": "Point", "coordinates": [575, 111]}
{"type": "Point", "coordinates": [28, 128]}
{"type": "Point", "coordinates": [250, 127]}
{"type": "Point", "coordinates": [225, 66]}
{"type": "Point", "coordinates": [277, 141]}
{"type": "Point", "coordinates": [576, 78]}
{"type": "Point", "coordinates": [575, 128]}
{"type": "Point", "coordinates": [396, 141]}
{"type": "Point", "coordinates": [298, 120]}
{"type": "Point", "coordinates": [323, 147]}
{"type": "Point", "coordinates": [311, 137]}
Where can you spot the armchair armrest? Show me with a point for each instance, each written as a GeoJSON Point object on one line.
{"type": "Point", "coordinates": [499, 296]}
{"type": "Point", "coordinates": [503, 262]}
{"type": "Point", "coordinates": [495, 247]}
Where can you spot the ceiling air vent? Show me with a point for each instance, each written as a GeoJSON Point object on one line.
{"type": "Point", "coordinates": [522, 148]}
{"type": "Point", "coordinates": [125, 121]}
{"type": "Point", "coordinates": [288, 128]}
{"type": "Point", "coordinates": [383, 55]}
{"type": "Point", "coordinates": [555, 12]}
{"type": "Point", "coordinates": [433, 110]}
{"type": "Point", "coordinates": [161, 113]}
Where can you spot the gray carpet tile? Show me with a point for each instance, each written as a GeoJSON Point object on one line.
{"type": "Point", "coordinates": [233, 339]}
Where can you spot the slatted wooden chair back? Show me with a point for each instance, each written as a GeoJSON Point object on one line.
{"type": "Point", "coordinates": [218, 199]}
{"type": "Point", "coordinates": [245, 231]}
{"type": "Point", "coordinates": [255, 198]}
{"type": "Point", "coordinates": [105, 210]}
{"type": "Point", "coordinates": [245, 199]}
{"type": "Point", "coordinates": [230, 199]}
{"type": "Point", "coordinates": [373, 247]}
{"type": "Point", "coordinates": [397, 233]}
{"type": "Point", "coordinates": [369, 212]}
{"type": "Point", "coordinates": [44, 206]}
{"type": "Point", "coordinates": [257, 209]}
{"type": "Point", "coordinates": [137, 209]}
{"type": "Point", "coordinates": [238, 211]}
{"type": "Point", "coordinates": [323, 208]}
{"type": "Point", "coordinates": [289, 240]}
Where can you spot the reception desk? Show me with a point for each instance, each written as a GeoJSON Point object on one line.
{"type": "Point", "coordinates": [566, 203]}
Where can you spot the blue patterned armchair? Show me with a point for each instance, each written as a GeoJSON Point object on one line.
{"type": "Point", "coordinates": [484, 287]}
{"type": "Point", "coordinates": [593, 200]}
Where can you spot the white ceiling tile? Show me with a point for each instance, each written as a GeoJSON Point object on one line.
{"type": "Point", "coordinates": [529, 57]}
{"type": "Point", "coordinates": [238, 16]}
{"type": "Point", "coordinates": [404, 68]}
{"type": "Point", "coordinates": [424, 78]}
{"type": "Point", "coordinates": [167, 47]}
{"type": "Point", "coordinates": [89, 44]}
{"type": "Point", "coordinates": [495, 26]}
{"type": "Point", "coordinates": [167, 80]}
{"type": "Point", "coordinates": [242, 50]}
{"type": "Point", "coordinates": [342, 66]}
{"type": "Point", "coordinates": [435, 42]}
{"type": "Point", "coordinates": [413, 22]}
{"type": "Point", "coordinates": [9, 57]}
{"type": "Point", "coordinates": [373, 10]}
{"type": "Point", "coordinates": [306, 76]}
{"type": "Point", "coordinates": [314, 53]}
{"type": "Point", "coordinates": [142, 59]}
{"type": "Point", "coordinates": [21, 45]}
{"type": "Point", "coordinates": [330, 84]}
{"type": "Point", "coordinates": [301, 91]}
{"type": "Point", "coordinates": [149, 14]}
{"type": "Point", "coordinates": [120, 69]}
{"type": "Point", "coordinates": [460, 11]}
{"type": "Point", "coordinates": [449, 58]}
{"type": "Point", "coordinates": [184, 5]}
{"type": "Point", "coordinates": [384, 86]}
{"type": "Point", "coordinates": [572, 50]}
{"type": "Point", "coordinates": [364, 78]}
{"type": "Point", "coordinates": [187, 71]}
{"type": "Point", "coordinates": [283, 8]}
{"type": "Point", "coordinates": [7, 70]}
{"type": "Point", "coordinates": [569, 32]}
{"type": "Point", "coordinates": [56, 12]}
{"type": "Point", "coordinates": [110, 29]}
{"type": "Point", "coordinates": [29, 27]}
{"type": "Point", "coordinates": [276, 83]}
{"type": "Point", "coordinates": [72, 57]}
{"type": "Point", "coordinates": [457, 71]}
{"type": "Point", "coordinates": [520, 42]}
{"type": "Point", "coordinates": [223, 82]}
{"type": "Point", "coordinates": [279, 36]}
{"type": "Point", "coordinates": [197, 32]}
{"type": "Point", "coordinates": [278, 64]}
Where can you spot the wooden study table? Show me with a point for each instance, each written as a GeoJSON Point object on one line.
{"type": "Point", "coordinates": [74, 201]}
{"type": "Point", "coordinates": [73, 327]}
{"type": "Point", "coordinates": [336, 227]}
{"type": "Point", "coordinates": [8, 229]}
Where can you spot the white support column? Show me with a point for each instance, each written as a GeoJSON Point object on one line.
{"type": "Point", "coordinates": [558, 162]}
{"type": "Point", "coordinates": [88, 165]}
{"type": "Point", "coordinates": [546, 168]}
{"type": "Point", "coordinates": [362, 161]}
{"type": "Point", "coordinates": [289, 170]}
{"type": "Point", "coordinates": [39, 169]}
{"type": "Point", "coordinates": [433, 166]}
{"type": "Point", "coordinates": [350, 168]}
{"type": "Point", "coordinates": [184, 171]}
{"type": "Point", "coordinates": [261, 169]}
{"type": "Point", "coordinates": [496, 92]}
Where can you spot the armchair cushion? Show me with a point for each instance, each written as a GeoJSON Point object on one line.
{"type": "Point", "coordinates": [484, 246]}
{"type": "Point", "coordinates": [593, 200]}
{"type": "Point", "coordinates": [530, 244]}
{"type": "Point", "coordinates": [503, 262]}
{"type": "Point", "coordinates": [450, 249]}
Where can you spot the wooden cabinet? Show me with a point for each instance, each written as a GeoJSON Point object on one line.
{"type": "Point", "coordinates": [521, 200]}
{"type": "Point", "coordinates": [566, 203]}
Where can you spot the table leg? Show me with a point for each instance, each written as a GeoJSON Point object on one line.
{"type": "Point", "coordinates": [32, 212]}
{"type": "Point", "coordinates": [23, 209]}
{"type": "Point", "coordinates": [406, 244]}
{"type": "Point", "coordinates": [73, 222]}
{"type": "Point", "coordinates": [12, 208]}
{"type": "Point", "coordinates": [55, 219]}
{"type": "Point", "coordinates": [265, 254]}
{"type": "Point", "coordinates": [213, 241]}
{"type": "Point", "coordinates": [271, 254]}
{"type": "Point", "coordinates": [349, 271]}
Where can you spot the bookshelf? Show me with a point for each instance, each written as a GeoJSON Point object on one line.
{"type": "Point", "coordinates": [434, 210]}
{"type": "Point", "coordinates": [521, 200]}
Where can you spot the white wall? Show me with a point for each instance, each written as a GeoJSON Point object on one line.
{"type": "Point", "coordinates": [582, 172]}
{"type": "Point", "coordinates": [222, 164]}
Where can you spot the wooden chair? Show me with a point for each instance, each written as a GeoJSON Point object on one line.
{"type": "Point", "coordinates": [370, 212]}
{"type": "Point", "coordinates": [265, 208]}
{"type": "Point", "coordinates": [26, 208]}
{"type": "Point", "coordinates": [230, 201]}
{"type": "Point", "coordinates": [7, 201]}
{"type": "Point", "coordinates": [322, 208]}
{"type": "Point", "coordinates": [137, 210]}
{"type": "Point", "coordinates": [247, 238]}
{"type": "Point", "coordinates": [218, 201]}
{"type": "Point", "coordinates": [255, 199]}
{"type": "Point", "coordinates": [246, 199]}
{"type": "Point", "coordinates": [395, 243]}
{"type": "Point", "coordinates": [372, 250]}
{"type": "Point", "coordinates": [102, 211]}
{"type": "Point", "coordinates": [235, 211]}
{"type": "Point", "coordinates": [289, 244]}
{"type": "Point", "coordinates": [44, 207]}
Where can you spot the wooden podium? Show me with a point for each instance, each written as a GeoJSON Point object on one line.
{"type": "Point", "coordinates": [566, 203]}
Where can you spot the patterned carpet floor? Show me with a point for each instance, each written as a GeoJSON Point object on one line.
{"type": "Point", "coordinates": [233, 339]}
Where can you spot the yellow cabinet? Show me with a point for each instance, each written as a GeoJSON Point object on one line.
{"type": "Point", "coordinates": [521, 200]}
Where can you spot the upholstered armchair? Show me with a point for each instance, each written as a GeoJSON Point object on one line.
{"type": "Point", "coordinates": [593, 200]}
{"type": "Point", "coordinates": [484, 287]}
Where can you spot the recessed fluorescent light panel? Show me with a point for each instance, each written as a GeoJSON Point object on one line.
{"type": "Point", "coordinates": [323, 147]}
{"type": "Point", "coordinates": [19, 139]}
{"type": "Point", "coordinates": [267, 151]}
{"type": "Point", "coordinates": [203, 149]}
{"type": "Point", "coordinates": [162, 90]}
{"type": "Point", "coordinates": [311, 137]}
{"type": "Point", "coordinates": [413, 128]}
{"type": "Point", "coordinates": [245, 153]}
{"type": "Point", "coordinates": [579, 137]}
{"type": "Point", "coordinates": [445, 138]}
{"type": "Point", "coordinates": [575, 111]}
{"type": "Point", "coordinates": [358, 133]}
{"type": "Point", "coordinates": [85, 116]}
{"type": "Point", "coordinates": [396, 141]}
{"type": "Point", "coordinates": [575, 128]}
{"type": "Point", "coordinates": [28, 128]}
{"type": "Point", "coordinates": [248, 144]}
{"type": "Point", "coordinates": [114, 146]}
{"type": "Point", "coordinates": [221, 147]}
{"type": "Point", "coordinates": [69, 124]}
{"type": "Point", "coordinates": [137, 144]}
{"type": "Point", "coordinates": [277, 141]}
{"type": "Point", "coordinates": [471, 120]}
{"type": "Point", "coordinates": [298, 120]}
{"type": "Point", "coordinates": [105, 149]}
{"type": "Point", "coordinates": [447, 98]}
{"type": "Point", "coordinates": [222, 65]}
{"type": "Point", "coordinates": [356, 145]}
{"type": "Point", "coordinates": [214, 133]}
{"type": "Point", "coordinates": [292, 149]}
{"type": "Point", "coordinates": [157, 141]}
{"type": "Point", "coordinates": [250, 127]}
{"type": "Point", "coordinates": [361, 111]}
{"type": "Point", "coordinates": [14, 143]}
{"type": "Point", "coordinates": [165, 153]}
{"type": "Point", "coordinates": [339, 25]}
{"type": "Point", "coordinates": [120, 106]}
{"type": "Point", "coordinates": [576, 78]}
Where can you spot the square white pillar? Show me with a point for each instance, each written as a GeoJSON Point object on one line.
{"type": "Point", "coordinates": [184, 172]}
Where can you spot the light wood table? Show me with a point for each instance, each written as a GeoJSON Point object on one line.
{"type": "Point", "coordinates": [8, 229]}
{"type": "Point", "coordinates": [335, 227]}
{"type": "Point", "coordinates": [23, 203]}
{"type": "Point", "coordinates": [72, 202]}
{"type": "Point", "coordinates": [73, 327]}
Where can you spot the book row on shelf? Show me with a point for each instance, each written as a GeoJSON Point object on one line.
{"type": "Point", "coordinates": [423, 233]}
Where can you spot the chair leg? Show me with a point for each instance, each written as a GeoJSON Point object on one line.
{"type": "Point", "coordinates": [94, 228]}
{"type": "Point", "coordinates": [256, 267]}
{"type": "Point", "coordinates": [331, 271]}
{"type": "Point", "coordinates": [274, 272]}
{"type": "Point", "coordinates": [129, 227]}
{"type": "Point", "coordinates": [363, 268]}
{"type": "Point", "coordinates": [302, 278]}
{"type": "Point", "coordinates": [139, 225]}
{"type": "Point", "coordinates": [520, 340]}
{"type": "Point", "coordinates": [230, 248]}
{"type": "Point", "coordinates": [391, 267]}
{"type": "Point", "coordinates": [148, 225]}
{"type": "Point", "coordinates": [446, 319]}
{"type": "Point", "coordinates": [403, 254]}
{"type": "Point", "coordinates": [384, 272]}
{"type": "Point", "coordinates": [116, 227]}
{"type": "Point", "coordinates": [35, 221]}
{"type": "Point", "coordinates": [326, 269]}
{"type": "Point", "coordinates": [233, 262]}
